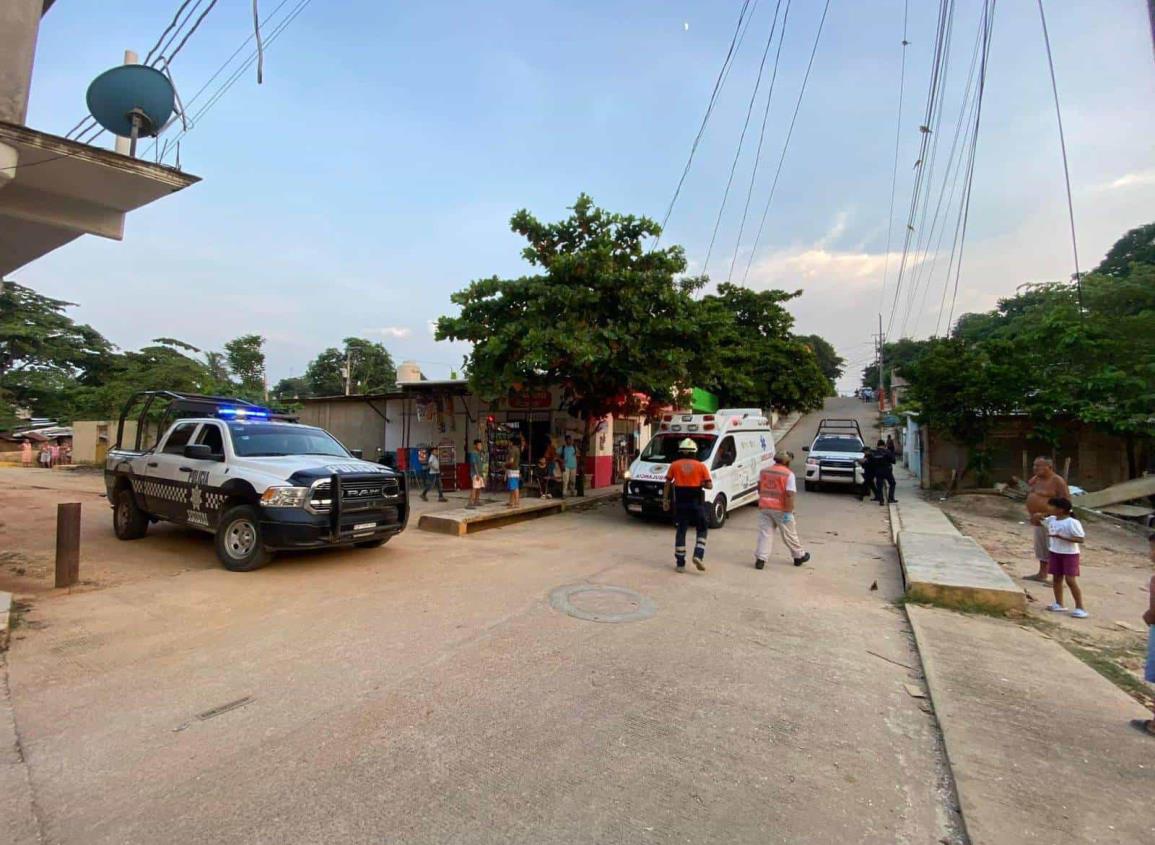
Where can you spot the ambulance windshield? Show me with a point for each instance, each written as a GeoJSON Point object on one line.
{"type": "Point", "coordinates": [663, 449]}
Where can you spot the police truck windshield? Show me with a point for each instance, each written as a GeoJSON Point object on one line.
{"type": "Point", "coordinates": [277, 441]}
{"type": "Point", "coordinates": [837, 444]}
{"type": "Point", "coordinates": [663, 449]}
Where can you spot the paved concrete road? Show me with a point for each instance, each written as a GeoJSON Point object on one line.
{"type": "Point", "coordinates": [428, 692]}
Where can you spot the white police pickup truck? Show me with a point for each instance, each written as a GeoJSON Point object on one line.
{"type": "Point", "coordinates": [832, 457]}
{"type": "Point", "coordinates": [260, 483]}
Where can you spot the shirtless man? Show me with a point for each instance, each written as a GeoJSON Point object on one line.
{"type": "Point", "coordinates": [1045, 484]}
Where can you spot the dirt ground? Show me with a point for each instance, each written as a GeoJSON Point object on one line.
{"type": "Point", "coordinates": [1115, 574]}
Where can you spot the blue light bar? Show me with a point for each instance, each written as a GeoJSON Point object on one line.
{"type": "Point", "coordinates": [243, 413]}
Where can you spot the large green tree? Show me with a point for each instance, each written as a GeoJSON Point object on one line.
{"type": "Point", "coordinates": [372, 369]}
{"type": "Point", "coordinates": [750, 358]}
{"type": "Point", "coordinates": [606, 317]}
{"type": "Point", "coordinates": [1135, 247]}
{"type": "Point", "coordinates": [246, 359]}
{"type": "Point", "coordinates": [829, 361]}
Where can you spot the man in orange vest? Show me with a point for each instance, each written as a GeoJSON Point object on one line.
{"type": "Point", "coordinates": [686, 479]}
{"type": "Point", "coordinates": [776, 489]}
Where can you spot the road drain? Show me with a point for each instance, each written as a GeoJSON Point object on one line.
{"type": "Point", "coordinates": [602, 603]}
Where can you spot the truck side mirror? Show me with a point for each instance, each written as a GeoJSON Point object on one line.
{"type": "Point", "coordinates": [805, 448]}
{"type": "Point", "coordinates": [357, 453]}
{"type": "Point", "coordinates": [199, 452]}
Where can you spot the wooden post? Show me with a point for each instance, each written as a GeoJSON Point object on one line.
{"type": "Point", "coordinates": [1026, 475]}
{"type": "Point", "coordinates": [67, 544]}
{"type": "Point", "coordinates": [1067, 469]}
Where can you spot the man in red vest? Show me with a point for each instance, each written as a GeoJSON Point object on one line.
{"type": "Point", "coordinates": [776, 489]}
{"type": "Point", "coordinates": [686, 481]}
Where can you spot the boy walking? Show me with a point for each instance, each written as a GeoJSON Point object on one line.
{"type": "Point", "coordinates": [686, 481]}
{"type": "Point", "coordinates": [1065, 536]}
{"type": "Point", "coordinates": [1147, 726]}
{"type": "Point", "coordinates": [776, 488]}
{"type": "Point", "coordinates": [568, 466]}
{"type": "Point", "coordinates": [433, 477]}
{"type": "Point", "coordinates": [513, 471]}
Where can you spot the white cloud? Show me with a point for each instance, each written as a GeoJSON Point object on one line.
{"type": "Point", "coordinates": [1130, 180]}
{"type": "Point", "coordinates": [399, 332]}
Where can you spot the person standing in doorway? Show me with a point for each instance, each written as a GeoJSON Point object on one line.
{"type": "Point", "coordinates": [568, 466]}
{"type": "Point", "coordinates": [686, 482]}
{"type": "Point", "coordinates": [776, 489]}
{"type": "Point", "coordinates": [476, 475]}
{"type": "Point", "coordinates": [26, 454]}
{"type": "Point", "coordinates": [433, 477]}
{"type": "Point", "coordinates": [1044, 485]}
{"type": "Point", "coordinates": [513, 470]}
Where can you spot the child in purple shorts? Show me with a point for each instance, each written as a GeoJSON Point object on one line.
{"type": "Point", "coordinates": [1066, 534]}
{"type": "Point", "coordinates": [1147, 726]}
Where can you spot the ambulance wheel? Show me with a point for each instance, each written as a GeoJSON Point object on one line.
{"type": "Point", "coordinates": [128, 521]}
{"type": "Point", "coordinates": [717, 515]}
{"type": "Point", "coordinates": [238, 540]}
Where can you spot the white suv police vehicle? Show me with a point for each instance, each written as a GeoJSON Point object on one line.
{"type": "Point", "coordinates": [832, 458]}
{"type": "Point", "coordinates": [256, 480]}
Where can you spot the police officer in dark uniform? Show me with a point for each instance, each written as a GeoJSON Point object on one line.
{"type": "Point", "coordinates": [884, 472]}
{"type": "Point", "coordinates": [869, 463]}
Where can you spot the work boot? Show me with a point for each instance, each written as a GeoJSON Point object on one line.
{"type": "Point", "coordinates": [680, 567]}
{"type": "Point", "coordinates": [698, 563]}
{"type": "Point", "coordinates": [424, 497]}
{"type": "Point", "coordinates": [893, 500]}
{"type": "Point", "coordinates": [759, 563]}
{"type": "Point", "coordinates": [798, 561]}
{"type": "Point", "coordinates": [443, 499]}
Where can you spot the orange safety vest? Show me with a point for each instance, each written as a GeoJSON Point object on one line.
{"type": "Point", "coordinates": [772, 487]}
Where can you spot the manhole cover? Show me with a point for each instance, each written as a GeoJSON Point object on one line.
{"type": "Point", "coordinates": [602, 603]}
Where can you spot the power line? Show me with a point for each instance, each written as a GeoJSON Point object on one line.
{"type": "Point", "coordinates": [761, 138]}
{"type": "Point", "coordinates": [168, 59]}
{"type": "Point", "coordinates": [988, 23]}
{"type": "Point", "coordinates": [897, 139]}
{"type": "Point", "coordinates": [709, 109]}
{"type": "Point", "coordinates": [1063, 146]}
{"type": "Point", "coordinates": [786, 144]}
{"type": "Point", "coordinates": [742, 136]}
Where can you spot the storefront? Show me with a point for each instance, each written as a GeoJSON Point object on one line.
{"type": "Point", "coordinates": [447, 416]}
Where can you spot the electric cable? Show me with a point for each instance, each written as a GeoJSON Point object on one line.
{"type": "Point", "coordinates": [742, 136]}
{"type": "Point", "coordinates": [709, 110]}
{"type": "Point", "coordinates": [897, 145]}
{"type": "Point", "coordinates": [786, 144]}
{"type": "Point", "coordinates": [761, 139]}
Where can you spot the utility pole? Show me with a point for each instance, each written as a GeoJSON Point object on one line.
{"type": "Point", "coordinates": [348, 370]}
{"type": "Point", "coordinates": [881, 344]}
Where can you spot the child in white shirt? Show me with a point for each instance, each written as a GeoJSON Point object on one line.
{"type": "Point", "coordinates": [1066, 534]}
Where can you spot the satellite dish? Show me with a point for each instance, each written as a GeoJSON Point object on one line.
{"type": "Point", "coordinates": [131, 100]}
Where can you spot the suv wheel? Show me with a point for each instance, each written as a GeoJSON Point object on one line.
{"type": "Point", "coordinates": [717, 517]}
{"type": "Point", "coordinates": [128, 521]}
{"type": "Point", "coordinates": [238, 540]}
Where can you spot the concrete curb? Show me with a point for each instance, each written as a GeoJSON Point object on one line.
{"type": "Point", "coordinates": [19, 823]}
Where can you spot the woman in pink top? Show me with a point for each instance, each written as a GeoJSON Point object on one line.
{"type": "Point", "coordinates": [26, 453]}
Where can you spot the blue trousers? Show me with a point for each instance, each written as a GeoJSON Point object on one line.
{"type": "Point", "coordinates": [685, 515]}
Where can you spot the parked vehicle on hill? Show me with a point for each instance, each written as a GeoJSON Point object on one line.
{"type": "Point", "coordinates": [260, 482]}
{"type": "Point", "coordinates": [736, 444]}
{"type": "Point", "coordinates": [832, 457]}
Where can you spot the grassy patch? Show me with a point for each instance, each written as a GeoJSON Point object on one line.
{"type": "Point", "coordinates": [977, 608]}
{"type": "Point", "coordinates": [1104, 661]}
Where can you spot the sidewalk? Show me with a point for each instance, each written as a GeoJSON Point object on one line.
{"type": "Point", "coordinates": [1039, 743]}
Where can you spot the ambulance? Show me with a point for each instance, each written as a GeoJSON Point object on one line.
{"type": "Point", "coordinates": [735, 443]}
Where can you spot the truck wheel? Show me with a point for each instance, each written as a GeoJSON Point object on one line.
{"type": "Point", "coordinates": [717, 516]}
{"type": "Point", "coordinates": [238, 540]}
{"type": "Point", "coordinates": [810, 486]}
{"type": "Point", "coordinates": [128, 521]}
{"type": "Point", "coordinates": [374, 544]}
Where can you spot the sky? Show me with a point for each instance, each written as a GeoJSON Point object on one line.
{"type": "Point", "coordinates": [375, 170]}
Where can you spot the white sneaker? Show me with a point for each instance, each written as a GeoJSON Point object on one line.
{"type": "Point", "coordinates": [1055, 607]}
{"type": "Point", "coordinates": [1079, 613]}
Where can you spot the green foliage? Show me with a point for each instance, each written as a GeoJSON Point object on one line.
{"type": "Point", "coordinates": [605, 318]}
{"type": "Point", "coordinates": [372, 369]}
{"type": "Point", "coordinates": [1038, 353]}
{"type": "Point", "coordinates": [246, 359]}
{"type": "Point", "coordinates": [750, 358]}
{"type": "Point", "coordinates": [898, 358]}
{"type": "Point", "coordinates": [829, 361]}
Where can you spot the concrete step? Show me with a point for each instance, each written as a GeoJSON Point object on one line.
{"type": "Point", "coordinates": [955, 571]}
{"type": "Point", "coordinates": [461, 521]}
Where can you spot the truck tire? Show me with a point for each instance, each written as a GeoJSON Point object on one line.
{"type": "Point", "coordinates": [717, 514]}
{"type": "Point", "coordinates": [374, 544]}
{"type": "Point", "coordinates": [238, 540]}
{"type": "Point", "coordinates": [810, 486]}
{"type": "Point", "coordinates": [128, 520]}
